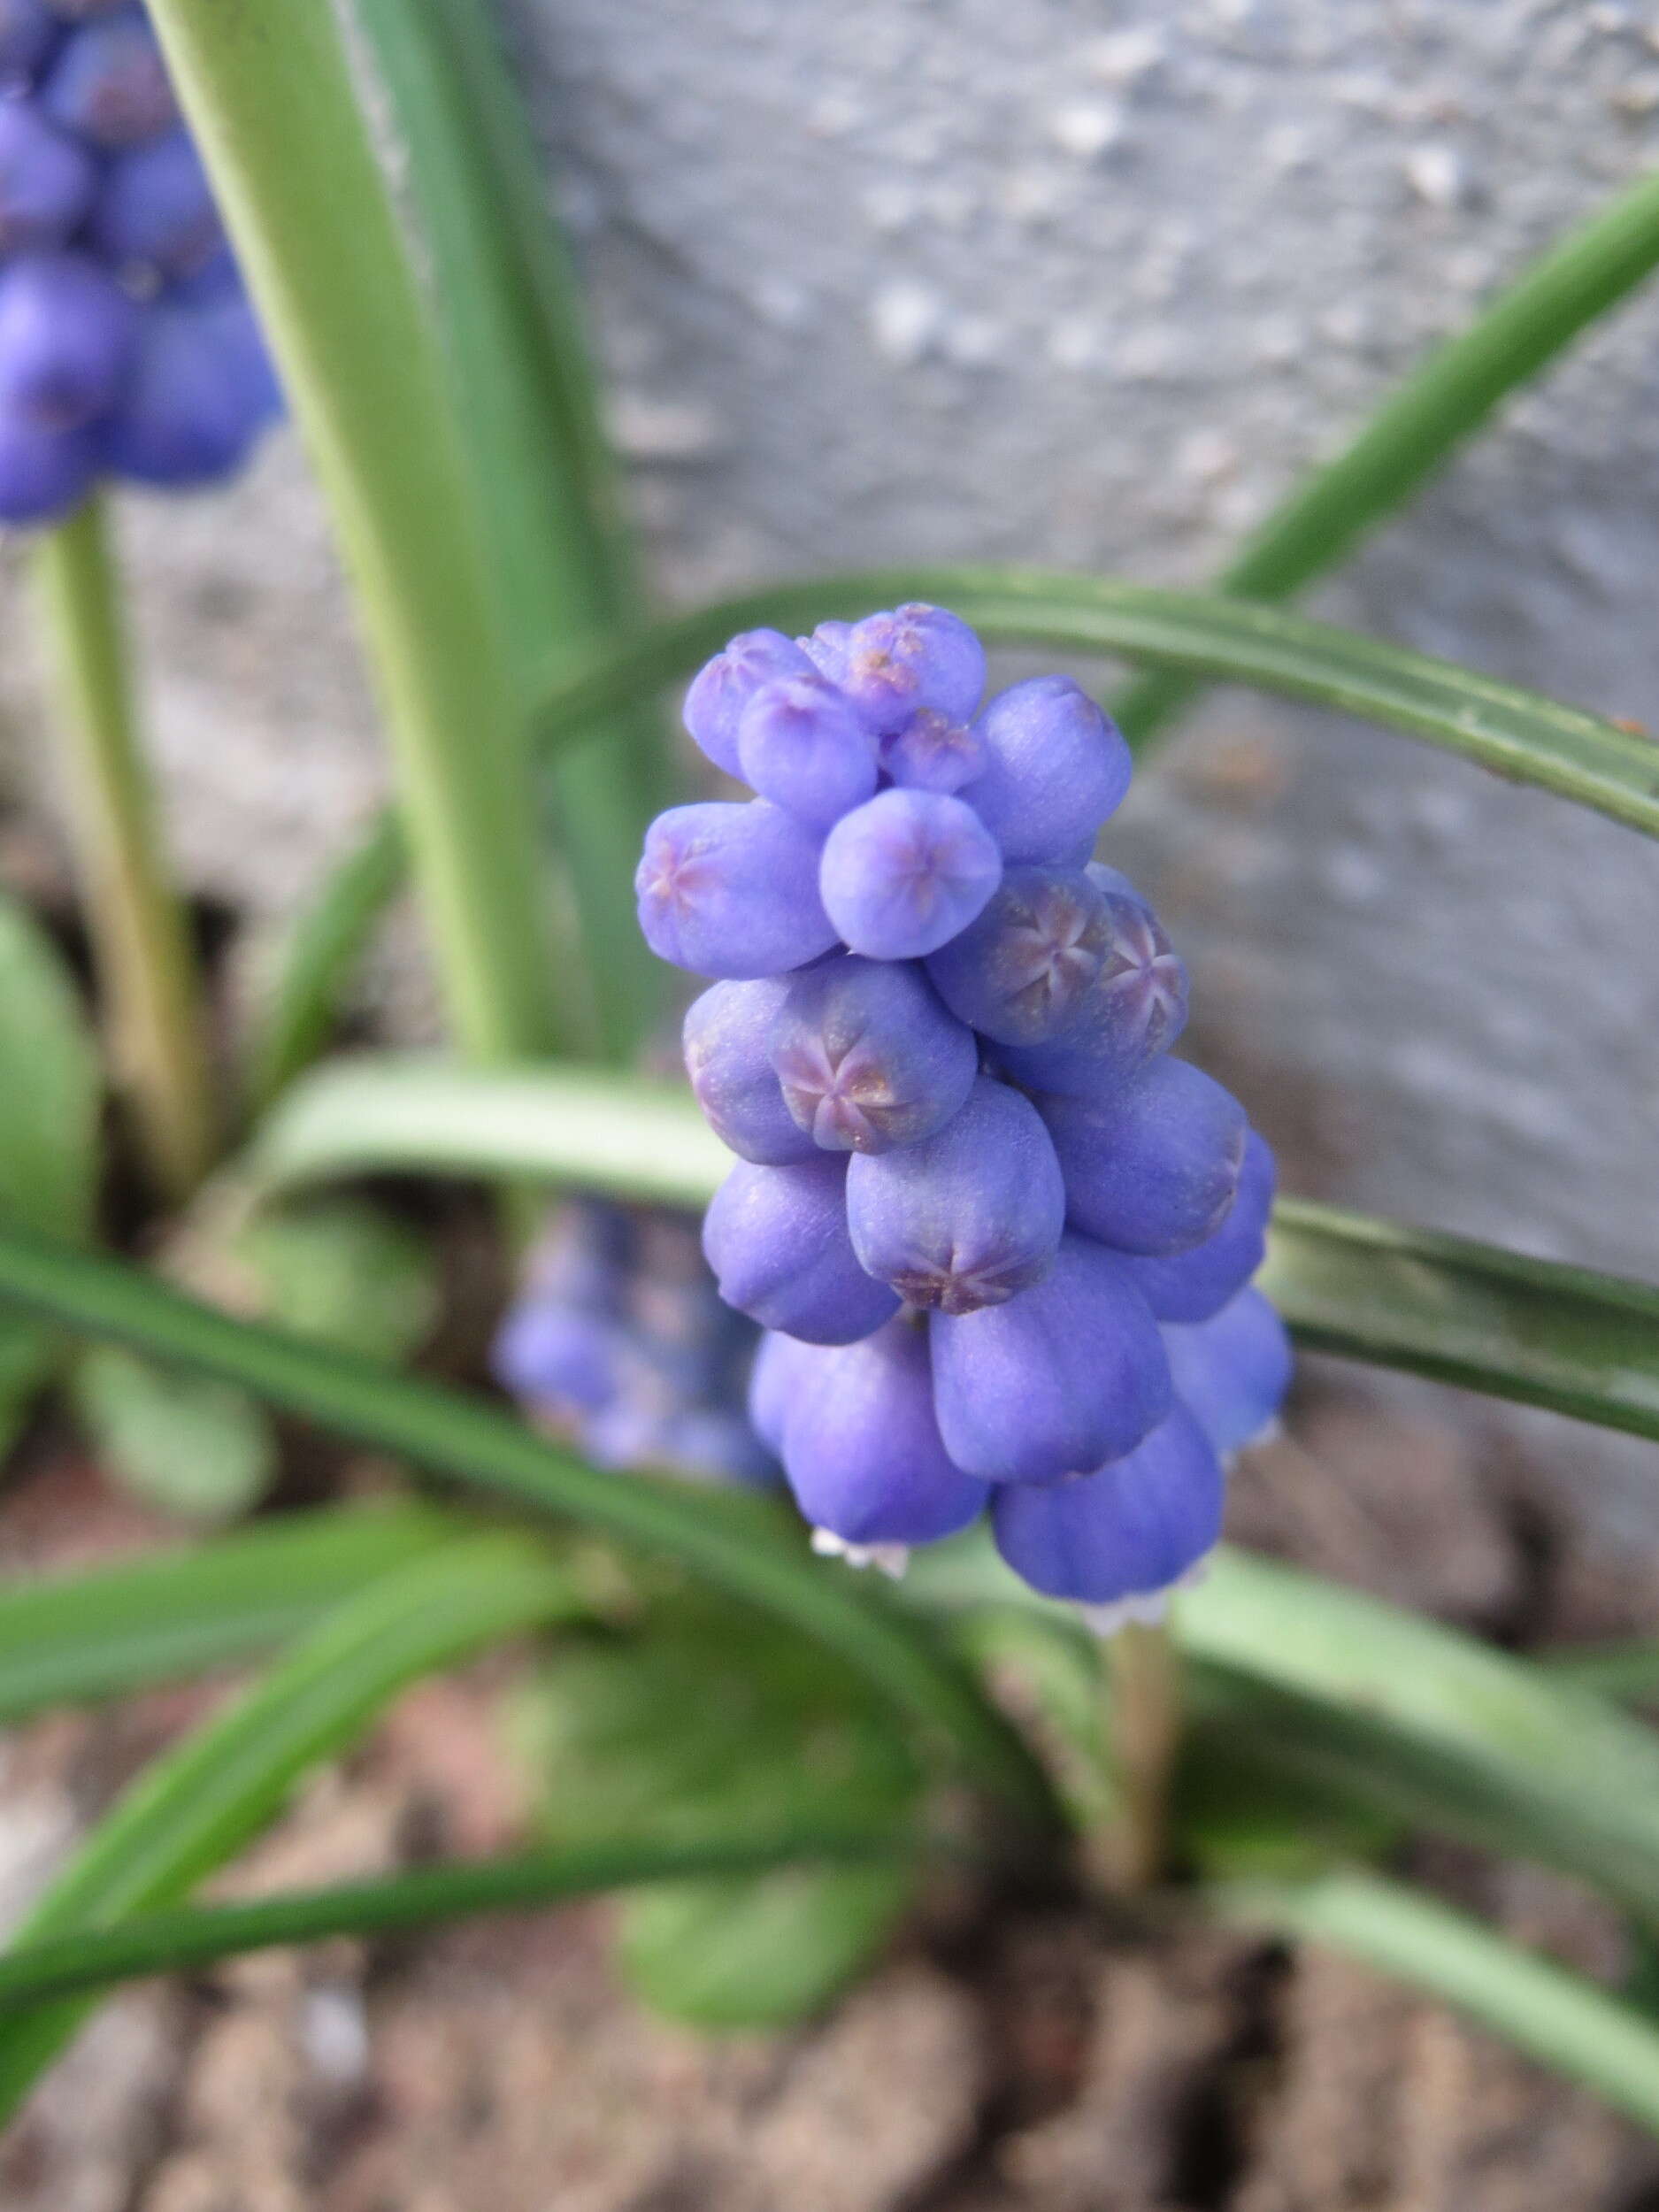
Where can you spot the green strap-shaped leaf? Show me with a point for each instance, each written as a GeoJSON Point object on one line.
{"type": "Point", "coordinates": [1422, 1720]}
{"type": "Point", "coordinates": [736, 1541]}
{"type": "Point", "coordinates": [308, 972]}
{"type": "Point", "coordinates": [268, 90]}
{"type": "Point", "coordinates": [522, 391]}
{"type": "Point", "coordinates": [1397, 1715]}
{"type": "Point", "coordinates": [74, 1637]}
{"type": "Point", "coordinates": [1563, 1337]}
{"type": "Point", "coordinates": [1626, 1670]}
{"type": "Point", "coordinates": [169, 1942]}
{"type": "Point", "coordinates": [197, 1805]}
{"type": "Point", "coordinates": [1516, 734]}
{"type": "Point", "coordinates": [1531, 1330]}
{"type": "Point", "coordinates": [1571, 2024]}
{"type": "Point", "coordinates": [50, 1108]}
{"type": "Point", "coordinates": [1438, 406]}
{"type": "Point", "coordinates": [379, 1113]}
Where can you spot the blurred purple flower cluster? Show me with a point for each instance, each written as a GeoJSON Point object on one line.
{"type": "Point", "coordinates": [128, 346]}
{"type": "Point", "coordinates": [619, 1343]}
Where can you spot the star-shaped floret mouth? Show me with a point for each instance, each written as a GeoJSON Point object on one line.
{"type": "Point", "coordinates": [957, 1287]}
{"type": "Point", "coordinates": [1143, 971]}
{"type": "Point", "coordinates": [846, 1099]}
{"type": "Point", "coordinates": [1051, 953]}
{"type": "Point", "coordinates": [676, 876]}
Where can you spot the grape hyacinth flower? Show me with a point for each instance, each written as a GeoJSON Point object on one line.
{"type": "Point", "coordinates": [618, 1342]}
{"type": "Point", "coordinates": [128, 347]}
{"type": "Point", "coordinates": [867, 1057]}
{"type": "Point", "coordinates": [1001, 1242]}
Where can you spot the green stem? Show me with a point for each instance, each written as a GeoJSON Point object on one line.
{"type": "Point", "coordinates": [141, 939]}
{"type": "Point", "coordinates": [267, 90]}
{"type": "Point", "coordinates": [1142, 1672]}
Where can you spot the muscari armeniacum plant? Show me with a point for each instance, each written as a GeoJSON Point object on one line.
{"type": "Point", "coordinates": [128, 347]}
{"type": "Point", "coordinates": [999, 1241]}
{"type": "Point", "coordinates": [620, 1342]}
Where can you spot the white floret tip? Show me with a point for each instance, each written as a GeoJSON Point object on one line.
{"type": "Point", "coordinates": [1141, 1609]}
{"type": "Point", "coordinates": [891, 1560]}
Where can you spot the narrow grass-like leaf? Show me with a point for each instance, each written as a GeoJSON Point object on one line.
{"type": "Point", "coordinates": [523, 393]}
{"type": "Point", "coordinates": [742, 1543]}
{"type": "Point", "coordinates": [50, 1108]}
{"type": "Point", "coordinates": [1425, 1722]}
{"type": "Point", "coordinates": [311, 972]}
{"type": "Point", "coordinates": [268, 91]}
{"type": "Point", "coordinates": [1438, 406]}
{"type": "Point", "coordinates": [180, 1444]}
{"type": "Point", "coordinates": [1514, 732]}
{"type": "Point", "coordinates": [1532, 1330]}
{"type": "Point", "coordinates": [75, 1637]}
{"type": "Point", "coordinates": [170, 1942]}
{"type": "Point", "coordinates": [199, 1803]}
{"type": "Point", "coordinates": [380, 1113]}
{"type": "Point", "coordinates": [1575, 1342]}
{"type": "Point", "coordinates": [1625, 1671]}
{"type": "Point", "coordinates": [1573, 2025]}
{"type": "Point", "coordinates": [1403, 1716]}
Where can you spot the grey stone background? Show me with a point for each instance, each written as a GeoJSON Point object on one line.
{"type": "Point", "coordinates": [1086, 284]}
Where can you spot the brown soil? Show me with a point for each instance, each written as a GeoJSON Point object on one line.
{"type": "Point", "coordinates": [1006, 2061]}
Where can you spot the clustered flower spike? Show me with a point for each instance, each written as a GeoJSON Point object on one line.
{"type": "Point", "coordinates": [128, 344]}
{"type": "Point", "coordinates": [1002, 1245]}
{"type": "Point", "coordinates": [619, 1343]}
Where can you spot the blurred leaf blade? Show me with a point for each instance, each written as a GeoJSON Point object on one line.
{"type": "Point", "coordinates": [762, 1951]}
{"type": "Point", "coordinates": [313, 967]}
{"type": "Point", "coordinates": [1515, 733]}
{"type": "Point", "coordinates": [170, 1942]}
{"type": "Point", "coordinates": [1535, 1331]}
{"type": "Point", "coordinates": [1403, 1717]}
{"type": "Point", "coordinates": [1626, 1670]}
{"type": "Point", "coordinates": [523, 396]}
{"type": "Point", "coordinates": [780, 1734]}
{"type": "Point", "coordinates": [377, 1113]}
{"type": "Point", "coordinates": [1424, 418]}
{"type": "Point", "coordinates": [178, 1444]}
{"type": "Point", "coordinates": [49, 1124]}
{"type": "Point", "coordinates": [1573, 2025]}
{"type": "Point", "coordinates": [1428, 1723]}
{"type": "Point", "coordinates": [195, 1807]}
{"type": "Point", "coordinates": [74, 1637]}
{"type": "Point", "coordinates": [1567, 1338]}
{"type": "Point", "coordinates": [738, 1541]}
{"type": "Point", "coordinates": [343, 1271]}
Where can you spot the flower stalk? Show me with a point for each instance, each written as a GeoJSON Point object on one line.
{"type": "Point", "coordinates": [1142, 1672]}
{"type": "Point", "coordinates": [141, 940]}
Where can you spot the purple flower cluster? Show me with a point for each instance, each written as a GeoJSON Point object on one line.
{"type": "Point", "coordinates": [1001, 1242]}
{"type": "Point", "coordinates": [128, 344]}
{"type": "Point", "coordinates": [620, 1342]}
